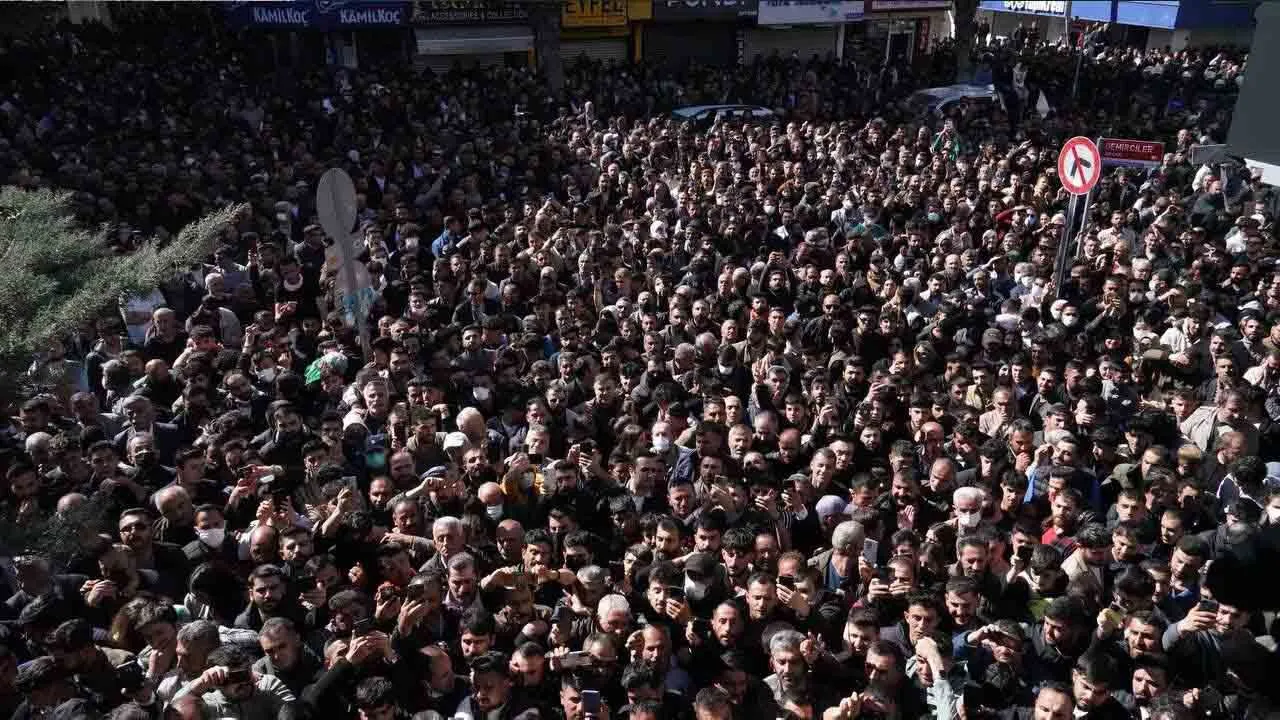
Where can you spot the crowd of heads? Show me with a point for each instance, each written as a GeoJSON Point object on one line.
{"type": "Point", "coordinates": [788, 416]}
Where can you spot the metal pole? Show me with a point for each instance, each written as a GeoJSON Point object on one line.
{"type": "Point", "coordinates": [1066, 23]}
{"type": "Point", "coordinates": [1075, 81]}
{"type": "Point", "coordinates": [1060, 261]}
{"type": "Point", "coordinates": [1084, 220]}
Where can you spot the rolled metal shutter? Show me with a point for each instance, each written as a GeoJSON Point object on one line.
{"type": "Point", "coordinates": [440, 48]}
{"type": "Point", "coordinates": [598, 50]}
{"type": "Point", "coordinates": [805, 42]}
{"type": "Point", "coordinates": [441, 64]}
{"type": "Point", "coordinates": [706, 43]}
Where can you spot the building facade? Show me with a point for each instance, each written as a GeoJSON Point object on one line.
{"type": "Point", "coordinates": [1140, 23]}
{"type": "Point", "coordinates": [440, 34]}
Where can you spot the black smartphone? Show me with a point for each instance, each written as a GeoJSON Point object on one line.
{"type": "Point", "coordinates": [616, 570]}
{"type": "Point", "coordinates": [1207, 605]}
{"type": "Point", "coordinates": [561, 615]}
{"type": "Point", "coordinates": [415, 592]}
{"type": "Point", "coordinates": [237, 677]}
{"type": "Point", "coordinates": [885, 575]}
{"type": "Point", "coordinates": [362, 627]}
{"type": "Point", "coordinates": [305, 583]}
{"type": "Point", "coordinates": [1024, 553]}
{"type": "Point", "coordinates": [701, 627]}
{"type": "Point", "coordinates": [130, 676]}
{"type": "Point", "coordinates": [787, 582]}
{"type": "Point", "coordinates": [591, 703]}
{"type": "Point", "coordinates": [575, 660]}
{"type": "Point", "coordinates": [675, 593]}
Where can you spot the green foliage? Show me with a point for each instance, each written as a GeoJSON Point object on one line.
{"type": "Point", "coordinates": [59, 275]}
{"type": "Point", "coordinates": [58, 537]}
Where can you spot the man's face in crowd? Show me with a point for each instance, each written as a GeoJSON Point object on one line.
{"type": "Point", "coordinates": [1052, 704]}
{"type": "Point", "coordinates": [1141, 637]}
{"type": "Point", "coordinates": [267, 593]}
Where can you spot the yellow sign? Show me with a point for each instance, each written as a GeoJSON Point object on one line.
{"type": "Point", "coordinates": [593, 13]}
{"type": "Point", "coordinates": [640, 9]}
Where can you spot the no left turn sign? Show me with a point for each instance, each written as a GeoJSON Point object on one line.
{"type": "Point", "coordinates": [1079, 165]}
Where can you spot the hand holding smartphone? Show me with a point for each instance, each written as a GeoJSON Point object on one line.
{"type": "Point", "coordinates": [871, 551]}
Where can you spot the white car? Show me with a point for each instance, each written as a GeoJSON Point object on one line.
{"type": "Point", "coordinates": [705, 115]}
{"type": "Point", "coordinates": [932, 104]}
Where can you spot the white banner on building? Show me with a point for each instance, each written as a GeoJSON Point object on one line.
{"type": "Point", "coordinates": [809, 12]}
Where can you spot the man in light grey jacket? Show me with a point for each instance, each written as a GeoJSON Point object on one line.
{"type": "Point", "coordinates": [230, 689]}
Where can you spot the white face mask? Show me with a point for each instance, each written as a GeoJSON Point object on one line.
{"type": "Point", "coordinates": [493, 511]}
{"type": "Point", "coordinates": [661, 443]}
{"type": "Point", "coordinates": [1070, 320]}
{"type": "Point", "coordinates": [1027, 281]}
{"type": "Point", "coordinates": [725, 369]}
{"type": "Point", "coordinates": [1273, 514]}
{"type": "Point", "coordinates": [968, 520]}
{"type": "Point", "coordinates": [695, 590]}
{"type": "Point", "coordinates": [212, 537]}
{"type": "Point", "coordinates": [481, 394]}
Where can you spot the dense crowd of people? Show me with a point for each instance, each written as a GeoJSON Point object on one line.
{"type": "Point", "coordinates": [741, 420]}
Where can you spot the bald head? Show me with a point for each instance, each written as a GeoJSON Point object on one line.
{"type": "Point", "coordinates": [69, 502]}
{"type": "Point", "coordinates": [174, 504]}
{"type": "Point", "coordinates": [490, 493]}
{"type": "Point", "coordinates": [186, 707]}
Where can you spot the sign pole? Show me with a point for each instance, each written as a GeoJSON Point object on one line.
{"type": "Point", "coordinates": [1084, 219]}
{"type": "Point", "coordinates": [1060, 259]}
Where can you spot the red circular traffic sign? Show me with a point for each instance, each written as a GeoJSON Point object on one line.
{"type": "Point", "coordinates": [1079, 165]}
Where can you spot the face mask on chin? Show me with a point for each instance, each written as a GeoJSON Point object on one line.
{"type": "Point", "coordinates": [212, 537]}
{"type": "Point", "coordinates": [696, 590]}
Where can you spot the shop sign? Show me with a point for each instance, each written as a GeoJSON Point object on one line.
{"type": "Point", "coordinates": [702, 9]}
{"type": "Point", "coordinates": [466, 12]}
{"type": "Point", "coordinates": [809, 12]}
{"type": "Point", "coordinates": [1132, 153]}
{"type": "Point", "coordinates": [593, 13]}
{"type": "Point", "coordinates": [318, 14]}
{"type": "Point", "coordinates": [884, 6]}
{"type": "Point", "coordinates": [1034, 7]}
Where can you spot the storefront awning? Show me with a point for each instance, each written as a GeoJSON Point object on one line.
{"type": "Point", "coordinates": [473, 40]}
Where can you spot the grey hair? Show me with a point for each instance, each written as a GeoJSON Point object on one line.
{"type": "Point", "coordinates": [448, 523]}
{"type": "Point", "coordinates": [278, 625]}
{"type": "Point", "coordinates": [1053, 437]}
{"type": "Point", "coordinates": [785, 640]}
{"type": "Point", "coordinates": [165, 494]}
{"type": "Point", "coordinates": [848, 534]}
{"type": "Point", "coordinates": [461, 561]}
{"type": "Point", "coordinates": [466, 413]}
{"type": "Point", "coordinates": [38, 441]}
{"type": "Point", "coordinates": [200, 632]}
{"type": "Point", "coordinates": [968, 492]}
{"type": "Point", "coordinates": [610, 603]}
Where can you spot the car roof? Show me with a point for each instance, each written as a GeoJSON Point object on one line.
{"type": "Point", "coordinates": [947, 92]}
{"type": "Point", "coordinates": [692, 110]}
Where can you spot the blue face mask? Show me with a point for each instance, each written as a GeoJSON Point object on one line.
{"type": "Point", "coordinates": [375, 459]}
{"type": "Point", "coordinates": [934, 217]}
